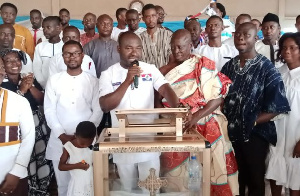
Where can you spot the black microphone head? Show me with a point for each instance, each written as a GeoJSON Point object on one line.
{"type": "Point", "coordinates": [135, 62]}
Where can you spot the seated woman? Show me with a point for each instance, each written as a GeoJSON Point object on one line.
{"type": "Point", "coordinates": [40, 170]}
{"type": "Point", "coordinates": [202, 88]}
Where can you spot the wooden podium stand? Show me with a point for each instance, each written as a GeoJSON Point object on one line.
{"type": "Point", "coordinates": [164, 135]}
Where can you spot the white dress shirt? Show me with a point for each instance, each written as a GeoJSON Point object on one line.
{"type": "Point", "coordinates": [39, 34]}
{"type": "Point", "coordinates": [265, 50]}
{"type": "Point", "coordinates": [68, 101]}
{"type": "Point", "coordinates": [116, 31]}
{"type": "Point", "coordinates": [229, 41]}
{"type": "Point", "coordinates": [220, 55]}
{"type": "Point", "coordinates": [42, 55]}
{"type": "Point", "coordinates": [139, 98]}
{"type": "Point", "coordinates": [57, 65]}
{"type": "Point", "coordinates": [15, 158]}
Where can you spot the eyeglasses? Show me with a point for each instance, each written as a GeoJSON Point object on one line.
{"type": "Point", "coordinates": [69, 54]}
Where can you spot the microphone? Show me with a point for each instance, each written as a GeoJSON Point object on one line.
{"type": "Point", "coordinates": [136, 78]}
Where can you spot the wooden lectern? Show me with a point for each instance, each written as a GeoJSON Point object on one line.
{"type": "Point", "coordinates": [164, 135]}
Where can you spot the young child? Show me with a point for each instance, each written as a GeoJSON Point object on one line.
{"type": "Point", "coordinates": [284, 164]}
{"type": "Point", "coordinates": [77, 158]}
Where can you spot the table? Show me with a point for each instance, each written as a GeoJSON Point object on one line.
{"type": "Point", "coordinates": [159, 135]}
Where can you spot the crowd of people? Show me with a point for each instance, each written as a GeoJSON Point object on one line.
{"type": "Point", "coordinates": [60, 88]}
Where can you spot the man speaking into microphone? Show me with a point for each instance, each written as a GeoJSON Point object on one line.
{"type": "Point", "coordinates": [116, 93]}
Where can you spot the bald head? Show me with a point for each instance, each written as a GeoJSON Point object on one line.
{"type": "Point", "coordinates": [181, 45]}
{"type": "Point", "coordinates": [125, 36]}
{"type": "Point", "coordinates": [7, 36]}
{"type": "Point", "coordinates": [71, 33]}
{"type": "Point", "coordinates": [242, 18]}
{"type": "Point", "coordinates": [104, 25]}
{"type": "Point", "coordinates": [104, 17]}
{"type": "Point", "coordinates": [89, 14]}
{"type": "Point", "coordinates": [72, 29]}
{"type": "Point", "coordinates": [8, 26]}
{"type": "Point", "coordinates": [245, 38]}
{"type": "Point", "coordinates": [248, 26]}
{"type": "Point", "coordinates": [182, 34]}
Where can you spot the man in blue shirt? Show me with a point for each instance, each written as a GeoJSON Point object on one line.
{"type": "Point", "coordinates": [256, 96]}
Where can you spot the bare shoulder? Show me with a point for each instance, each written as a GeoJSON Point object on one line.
{"type": "Point", "coordinates": [166, 68]}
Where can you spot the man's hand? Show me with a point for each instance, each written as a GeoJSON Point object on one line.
{"type": "Point", "coordinates": [190, 121]}
{"type": "Point", "coordinates": [64, 138]}
{"type": "Point", "coordinates": [9, 184]}
{"type": "Point", "coordinates": [133, 71]}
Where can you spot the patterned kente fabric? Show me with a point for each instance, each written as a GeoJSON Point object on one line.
{"type": "Point", "coordinates": [196, 82]}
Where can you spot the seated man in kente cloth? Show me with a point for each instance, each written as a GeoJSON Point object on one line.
{"type": "Point", "coordinates": [199, 85]}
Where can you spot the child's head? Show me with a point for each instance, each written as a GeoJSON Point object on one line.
{"type": "Point", "coordinates": [289, 50]}
{"type": "Point", "coordinates": [85, 133]}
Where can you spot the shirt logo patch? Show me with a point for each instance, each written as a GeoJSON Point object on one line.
{"type": "Point", "coordinates": [116, 84]}
{"type": "Point", "coordinates": [146, 77]}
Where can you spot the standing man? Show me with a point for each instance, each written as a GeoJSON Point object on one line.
{"type": "Point", "coordinates": [242, 18]}
{"type": "Point", "coordinates": [71, 97]}
{"type": "Point", "coordinates": [17, 137]}
{"type": "Point", "coordinates": [89, 23]}
{"type": "Point", "coordinates": [133, 20]}
{"type": "Point", "coordinates": [47, 49]}
{"type": "Point", "coordinates": [194, 27]}
{"type": "Point", "coordinates": [256, 96]}
{"type": "Point", "coordinates": [64, 16]}
{"type": "Point", "coordinates": [271, 32]}
{"type": "Point", "coordinates": [103, 50]}
{"type": "Point", "coordinates": [57, 63]}
{"type": "Point", "coordinates": [121, 27]}
{"type": "Point", "coordinates": [257, 23]}
{"type": "Point", "coordinates": [7, 36]}
{"type": "Point", "coordinates": [228, 25]}
{"type": "Point", "coordinates": [23, 37]}
{"type": "Point", "coordinates": [155, 41]}
{"type": "Point", "coordinates": [36, 20]}
{"type": "Point", "coordinates": [116, 93]}
{"type": "Point", "coordinates": [215, 50]}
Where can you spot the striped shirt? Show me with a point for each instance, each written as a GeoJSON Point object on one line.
{"type": "Point", "coordinates": [157, 50]}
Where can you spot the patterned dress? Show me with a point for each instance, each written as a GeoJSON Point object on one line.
{"type": "Point", "coordinates": [196, 82]}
